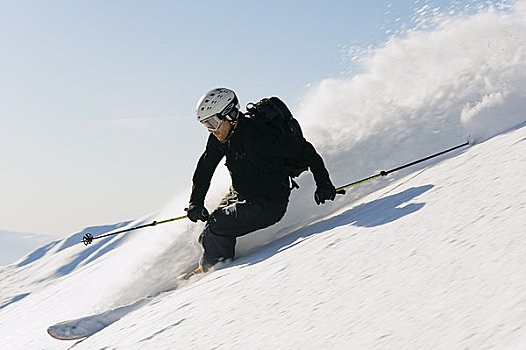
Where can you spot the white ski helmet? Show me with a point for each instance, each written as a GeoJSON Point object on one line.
{"type": "Point", "coordinates": [220, 102]}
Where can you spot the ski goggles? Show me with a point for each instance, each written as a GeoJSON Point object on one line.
{"type": "Point", "coordinates": [213, 123]}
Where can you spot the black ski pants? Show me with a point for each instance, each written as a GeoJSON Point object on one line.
{"type": "Point", "coordinates": [236, 216]}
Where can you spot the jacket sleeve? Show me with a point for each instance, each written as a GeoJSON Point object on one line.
{"type": "Point", "coordinates": [271, 143]}
{"type": "Point", "coordinates": [204, 171]}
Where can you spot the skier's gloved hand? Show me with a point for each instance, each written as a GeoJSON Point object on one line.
{"type": "Point", "coordinates": [324, 192]}
{"type": "Point", "coordinates": [197, 212]}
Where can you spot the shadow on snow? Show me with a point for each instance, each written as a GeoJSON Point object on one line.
{"type": "Point", "coordinates": [375, 213]}
{"type": "Point", "coordinates": [87, 255]}
{"type": "Point", "coordinates": [14, 300]}
{"type": "Point", "coordinates": [91, 252]}
{"type": "Point", "coordinates": [68, 242]}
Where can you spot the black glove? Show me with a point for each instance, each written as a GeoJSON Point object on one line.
{"type": "Point", "coordinates": [197, 212]}
{"type": "Point", "coordinates": [324, 192]}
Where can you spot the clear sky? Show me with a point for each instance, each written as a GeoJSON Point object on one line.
{"type": "Point", "coordinates": [97, 98]}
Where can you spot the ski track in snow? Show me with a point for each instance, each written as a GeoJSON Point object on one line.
{"type": "Point", "coordinates": [431, 257]}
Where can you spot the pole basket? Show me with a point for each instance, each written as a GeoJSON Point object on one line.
{"type": "Point", "coordinates": [87, 239]}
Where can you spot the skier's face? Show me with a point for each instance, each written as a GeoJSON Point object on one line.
{"type": "Point", "coordinates": [222, 132]}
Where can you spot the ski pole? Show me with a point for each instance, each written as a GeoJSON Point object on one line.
{"type": "Point", "coordinates": [385, 173]}
{"type": "Point", "coordinates": [88, 237]}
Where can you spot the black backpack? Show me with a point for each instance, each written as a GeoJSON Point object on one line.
{"type": "Point", "coordinates": [275, 113]}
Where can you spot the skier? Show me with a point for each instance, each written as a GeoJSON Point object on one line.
{"type": "Point", "coordinates": [259, 193]}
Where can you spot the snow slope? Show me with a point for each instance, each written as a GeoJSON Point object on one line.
{"type": "Point", "coordinates": [434, 260]}
{"type": "Point", "coordinates": [430, 257]}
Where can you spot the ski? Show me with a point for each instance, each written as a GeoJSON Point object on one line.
{"type": "Point", "coordinates": [84, 327]}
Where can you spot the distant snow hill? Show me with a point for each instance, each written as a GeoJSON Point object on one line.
{"type": "Point", "coordinates": [14, 245]}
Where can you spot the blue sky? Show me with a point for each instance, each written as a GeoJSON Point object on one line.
{"type": "Point", "coordinates": [97, 97]}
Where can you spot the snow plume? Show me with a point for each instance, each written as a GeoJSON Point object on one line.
{"type": "Point", "coordinates": [417, 86]}
{"type": "Point", "coordinates": [460, 76]}
{"type": "Point", "coordinates": [158, 256]}
{"type": "Point", "coordinates": [164, 252]}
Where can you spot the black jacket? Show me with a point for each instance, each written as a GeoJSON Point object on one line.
{"type": "Point", "coordinates": [252, 152]}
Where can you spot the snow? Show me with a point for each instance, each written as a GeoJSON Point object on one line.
{"type": "Point", "coordinates": [14, 245]}
{"type": "Point", "coordinates": [429, 257]}
{"type": "Point", "coordinates": [434, 260]}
